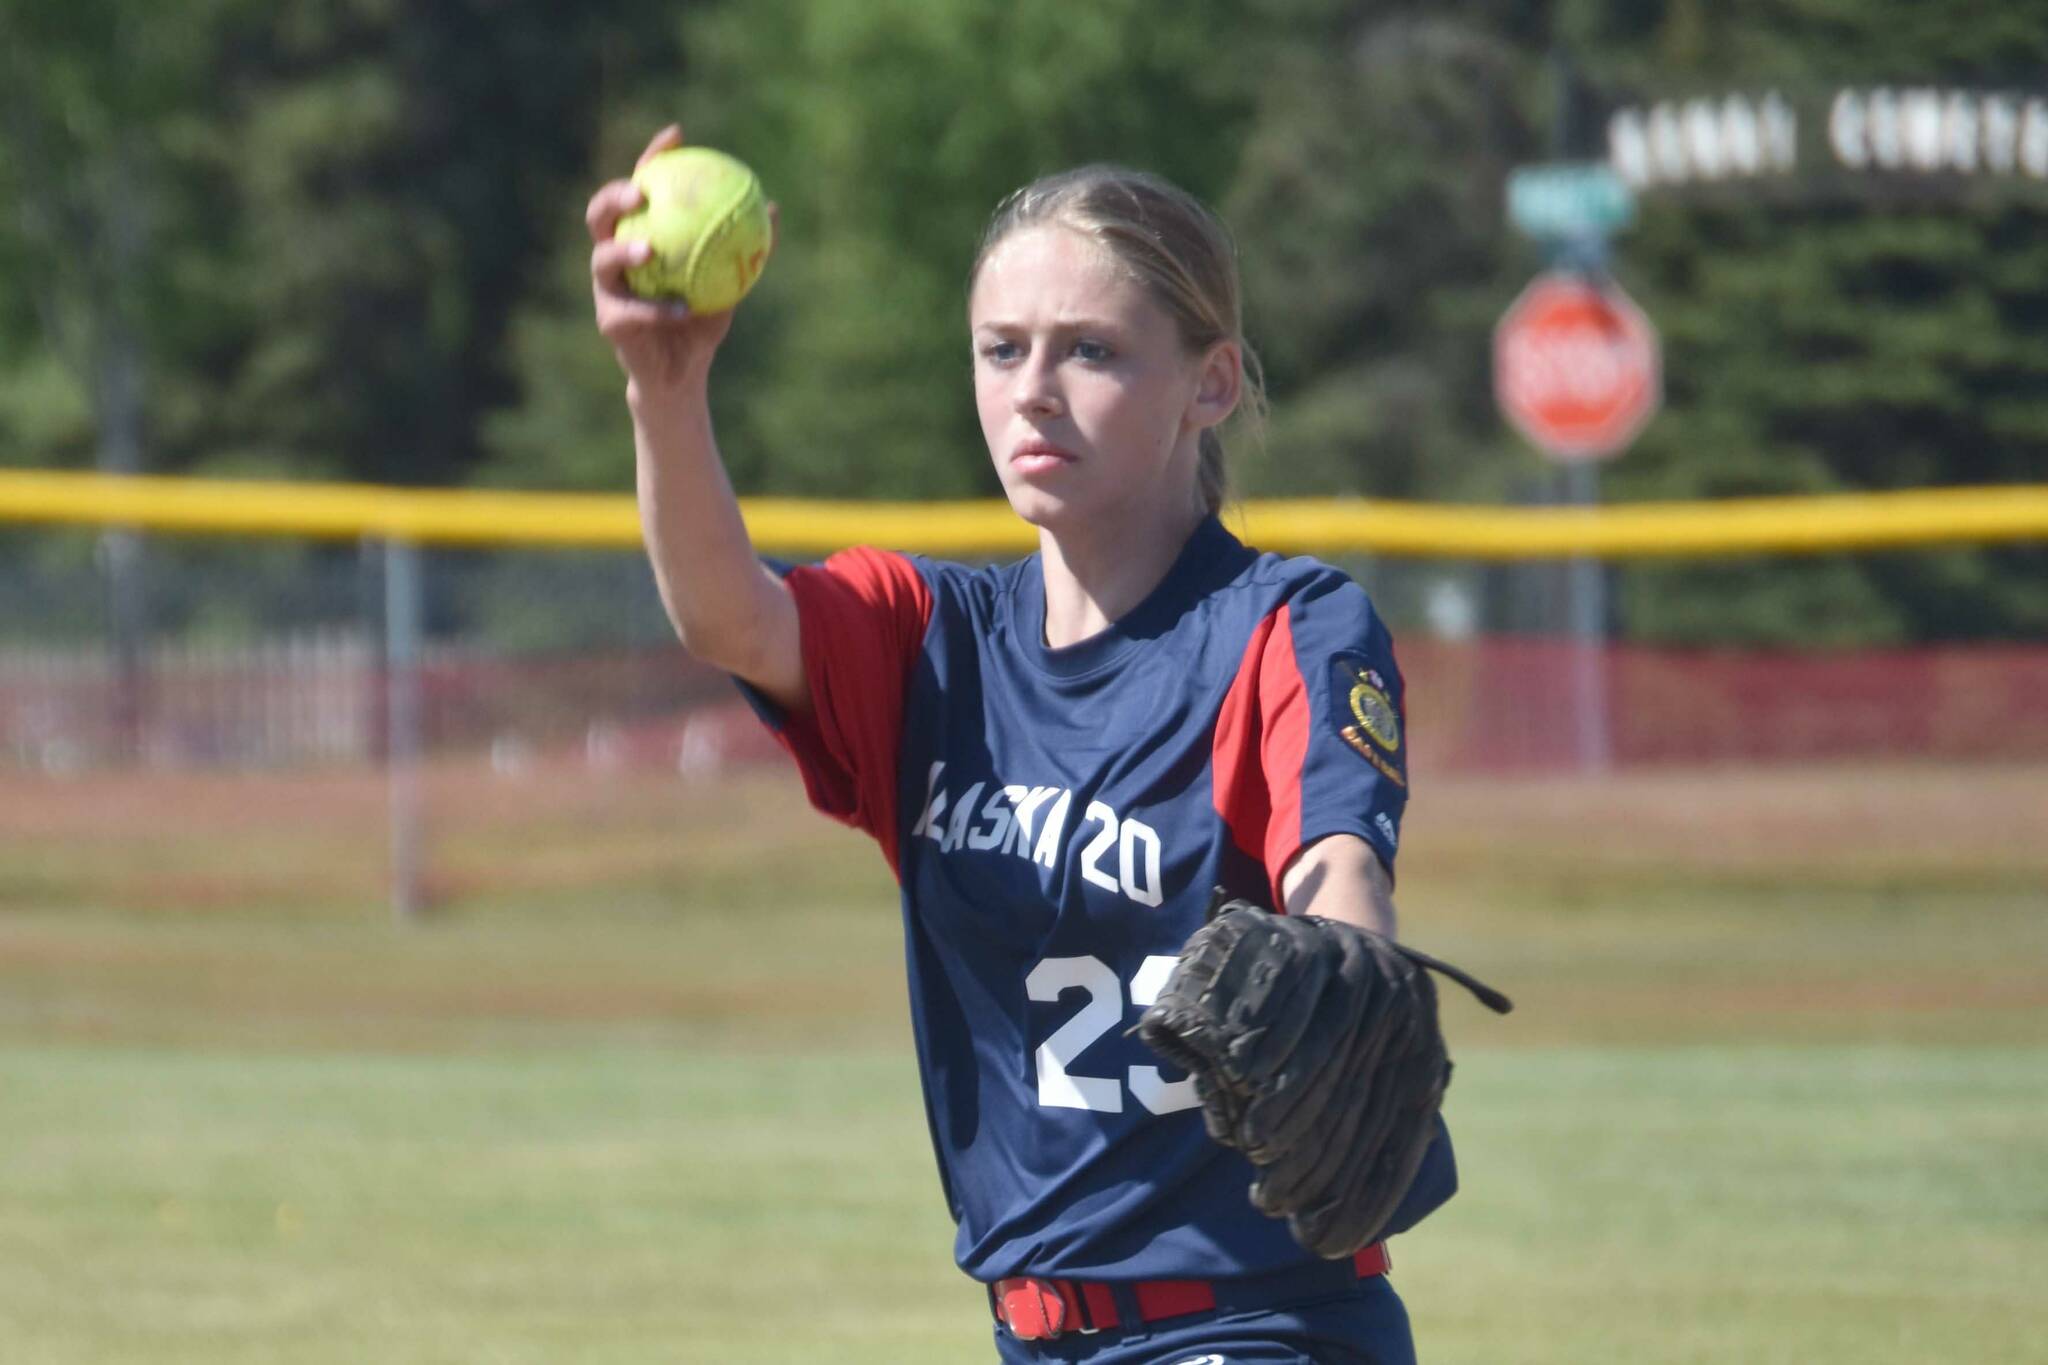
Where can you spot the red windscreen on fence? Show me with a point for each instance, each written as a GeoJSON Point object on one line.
{"type": "Point", "coordinates": [1473, 705]}
{"type": "Point", "coordinates": [1506, 703]}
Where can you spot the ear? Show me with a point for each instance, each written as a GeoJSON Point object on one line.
{"type": "Point", "coordinates": [1219, 383]}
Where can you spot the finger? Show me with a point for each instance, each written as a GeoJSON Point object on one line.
{"type": "Point", "coordinates": [624, 314]}
{"type": "Point", "coordinates": [618, 305]}
{"type": "Point", "coordinates": [774, 225]}
{"type": "Point", "coordinates": [611, 259]}
{"type": "Point", "coordinates": [611, 203]}
{"type": "Point", "coordinates": [671, 136]}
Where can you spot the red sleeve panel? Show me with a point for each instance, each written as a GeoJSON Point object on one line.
{"type": "Point", "coordinates": [1260, 731]}
{"type": "Point", "coordinates": [1310, 740]}
{"type": "Point", "coordinates": [862, 615]}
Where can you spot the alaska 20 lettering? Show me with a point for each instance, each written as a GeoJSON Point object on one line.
{"type": "Point", "coordinates": [1121, 854]}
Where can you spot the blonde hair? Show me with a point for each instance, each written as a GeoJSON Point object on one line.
{"type": "Point", "coordinates": [1172, 244]}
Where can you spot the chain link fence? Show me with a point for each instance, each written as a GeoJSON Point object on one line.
{"type": "Point", "coordinates": [244, 654]}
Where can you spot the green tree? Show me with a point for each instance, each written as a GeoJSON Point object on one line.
{"type": "Point", "coordinates": [280, 238]}
{"type": "Point", "coordinates": [343, 238]}
{"type": "Point", "coordinates": [1839, 333]}
{"type": "Point", "coordinates": [106, 166]}
{"type": "Point", "coordinates": [1369, 205]}
{"type": "Point", "coordinates": [887, 132]}
{"type": "Point", "coordinates": [401, 176]}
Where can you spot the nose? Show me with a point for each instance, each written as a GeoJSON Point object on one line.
{"type": "Point", "coordinates": [1037, 393]}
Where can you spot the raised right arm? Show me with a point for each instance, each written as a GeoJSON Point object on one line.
{"type": "Point", "coordinates": [727, 607]}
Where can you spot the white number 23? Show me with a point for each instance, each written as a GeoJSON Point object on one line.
{"type": "Point", "coordinates": [1102, 1011]}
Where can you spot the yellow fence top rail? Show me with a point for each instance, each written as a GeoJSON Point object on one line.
{"type": "Point", "coordinates": [471, 516]}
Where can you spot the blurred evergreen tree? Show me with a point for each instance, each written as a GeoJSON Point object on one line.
{"type": "Point", "coordinates": [280, 238]}
{"type": "Point", "coordinates": [887, 132]}
{"type": "Point", "coordinates": [313, 217]}
{"type": "Point", "coordinates": [1836, 333]}
{"type": "Point", "coordinates": [343, 238]}
{"type": "Point", "coordinates": [107, 175]}
{"type": "Point", "coordinates": [402, 172]}
{"type": "Point", "coordinates": [1369, 204]}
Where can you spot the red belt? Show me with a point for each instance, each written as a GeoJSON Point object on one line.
{"type": "Point", "coordinates": [1036, 1309]}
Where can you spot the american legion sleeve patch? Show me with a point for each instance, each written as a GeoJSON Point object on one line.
{"type": "Point", "coordinates": [1366, 716]}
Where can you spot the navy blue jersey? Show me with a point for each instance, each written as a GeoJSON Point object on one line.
{"type": "Point", "coordinates": [1057, 819]}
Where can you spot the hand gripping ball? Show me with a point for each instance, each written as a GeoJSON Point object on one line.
{"type": "Point", "coordinates": [707, 220]}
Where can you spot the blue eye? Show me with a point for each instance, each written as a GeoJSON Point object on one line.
{"type": "Point", "coordinates": [1000, 352]}
{"type": "Point", "coordinates": [1094, 352]}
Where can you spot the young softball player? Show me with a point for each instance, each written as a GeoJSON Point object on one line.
{"type": "Point", "coordinates": [1062, 757]}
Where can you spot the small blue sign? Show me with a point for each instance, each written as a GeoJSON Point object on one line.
{"type": "Point", "coordinates": [1561, 200]}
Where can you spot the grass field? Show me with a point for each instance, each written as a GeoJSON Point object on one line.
{"type": "Point", "coordinates": [1777, 1088]}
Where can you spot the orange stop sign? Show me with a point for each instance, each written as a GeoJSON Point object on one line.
{"type": "Point", "coordinates": [1576, 367]}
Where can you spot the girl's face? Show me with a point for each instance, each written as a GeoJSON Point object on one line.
{"type": "Point", "coordinates": [1091, 407]}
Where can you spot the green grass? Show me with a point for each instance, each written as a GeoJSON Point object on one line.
{"type": "Point", "coordinates": [1868, 1204]}
{"type": "Point", "coordinates": [620, 1203]}
{"type": "Point", "coordinates": [644, 1091]}
{"type": "Point", "coordinates": [1756, 1203]}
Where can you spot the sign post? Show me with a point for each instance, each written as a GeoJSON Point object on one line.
{"type": "Point", "coordinates": [1578, 371]}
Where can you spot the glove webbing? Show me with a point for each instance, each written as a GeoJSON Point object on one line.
{"type": "Point", "coordinates": [1220, 900]}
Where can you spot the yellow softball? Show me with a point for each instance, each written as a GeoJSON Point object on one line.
{"type": "Point", "coordinates": [707, 220]}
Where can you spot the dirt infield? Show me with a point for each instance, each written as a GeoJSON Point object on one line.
{"type": "Point", "coordinates": [1855, 823]}
{"type": "Point", "coordinates": [1896, 902]}
{"type": "Point", "coordinates": [192, 840]}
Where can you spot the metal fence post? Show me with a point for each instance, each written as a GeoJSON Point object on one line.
{"type": "Point", "coordinates": [1588, 609]}
{"type": "Point", "coordinates": [402, 735]}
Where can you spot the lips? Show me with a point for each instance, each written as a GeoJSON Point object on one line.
{"type": "Point", "coordinates": [1034, 457]}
